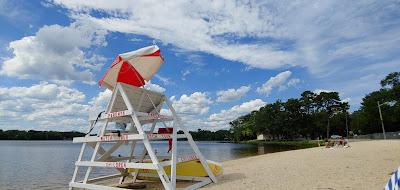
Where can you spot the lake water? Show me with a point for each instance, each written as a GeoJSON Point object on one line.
{"type": "Point", "coordinates": [50, 164]}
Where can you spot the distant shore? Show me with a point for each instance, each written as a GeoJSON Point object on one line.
{"type": "Point", "coordinates": [295, 144]}
{"type": "Point", "coordinates": [365, 165]}
{"type": "Point", "coordinates": [38, 135]}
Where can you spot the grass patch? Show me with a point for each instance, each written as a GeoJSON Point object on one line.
{"type": "Point", "coordinates": [292, 144]}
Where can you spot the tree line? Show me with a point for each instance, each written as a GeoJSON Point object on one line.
{"type": "Point", "coordinates": [199, 135]}
{"type": "Point", "coordinates": [366, 120]}
{"type": "Point", "coordinates": [38, 135]}
{"type": "Point", "coordinates": [321, 115]}
{"type": "Point", "coordinates": [206, 135]}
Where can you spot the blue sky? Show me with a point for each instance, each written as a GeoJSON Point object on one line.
{"type": "Point", "coordinates": [223, 59]}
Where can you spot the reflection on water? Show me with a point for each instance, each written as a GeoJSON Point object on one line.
{"type": "Point", "coordinates": [50, 164]}
{"type": "Point", "coordinates": [264, 149]}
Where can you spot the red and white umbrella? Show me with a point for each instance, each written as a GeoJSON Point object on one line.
{"type": "Point", "coordinates": [133, 67]}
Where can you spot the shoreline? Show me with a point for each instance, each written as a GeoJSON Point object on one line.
{"type": "Point", "coordinates": [365, 165]}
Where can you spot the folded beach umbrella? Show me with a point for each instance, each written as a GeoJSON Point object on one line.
{"type": "Point", "coordinates": [394, 181]}
{"type": "Point", "coordinates": [133, 67]}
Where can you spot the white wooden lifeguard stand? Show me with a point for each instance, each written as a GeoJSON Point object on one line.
{"type": "Point", "coordinates": [137, 106]}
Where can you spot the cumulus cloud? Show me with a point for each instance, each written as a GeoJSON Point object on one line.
{"type": "Point", "coordinates": [99, 102]}
{"type": "Point", "coordinates": [232, 94]}
{"type": "Point", "coordinates": [223, 118]}
{"type": "Point", "coordinates": [56, 53]}
{"type": "Point", "coordinates": [154, 87]}
{"type": "Point", "coordinates": [47, 106]}
{"type": "Point", "coordinates": [197, 103]}
{"type": "Point", "coordinates": [276, 81]}
{"type": "Point", "coordinates": [43, 106]}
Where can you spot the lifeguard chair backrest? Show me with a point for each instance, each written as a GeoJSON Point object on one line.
{"type": "Point", "coordinates": [141, 99]}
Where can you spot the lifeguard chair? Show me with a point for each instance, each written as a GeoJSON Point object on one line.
{"type": "Point", "coordinates": [138, 107]}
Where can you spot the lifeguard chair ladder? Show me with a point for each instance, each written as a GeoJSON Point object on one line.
{"type": "Point", "coordinates": [138, 106]}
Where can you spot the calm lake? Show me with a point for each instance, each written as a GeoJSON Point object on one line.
{"type": "Point", "coordinates": [50, 164]}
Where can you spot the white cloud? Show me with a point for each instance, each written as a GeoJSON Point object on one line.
{"type": "Point", "coordinates": [223, 118]}
{"type": "Point", "coordinates": [346, 100]}
{"type": "Point", "coordinates": [318, 91]}
{"type": "Point", "coordinates": [314, 35]}
{"type": "Point", "coordinates": [185, 73]}
{"type": "Point", "coordinates": [276, 81]}
{"type": "Point", "coordinates": [290, 83]}
{"type": "Point", "coordinates": [43, 106]}
{"type": "Point", "coordinates": [164, 80]}
{"type": "Point", "coordinates": [99, 102]}
{"type": "Point", "coordinates": [15, 12]}
{"type": "Point", "coordinates": [232, 94]}
{"type": "Point", "coordinates": [293, 82]}
{"type": "Point", "coordinates": [154, 87]}
{"type": "Point", "coordinates": [281, 33]}
{"type": "Point", "coordinates": [135, 40]}
{"type": "Point", "coordinates": [205, 26]}
{"type": "Point", "coordinates": [197, 103]}
{"type": "Point", "coordinates": [56, 53]}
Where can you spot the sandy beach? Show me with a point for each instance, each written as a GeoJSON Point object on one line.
{"type": "Point", "coordinates": [365, 165]}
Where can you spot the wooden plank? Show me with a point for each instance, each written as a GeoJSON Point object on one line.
{"type": "Point", "coordinates": [111, 150]}
{"type": "Point", "coordinates": [108, 138]}
{"type": "Point", "coordinates": [79, 159]}
{"type": "Point", "coordinates": [163, 136]}
{"type": "Point", "coordinates": [178, 177]}
{"type": "Point", "coordinates": [101, 178]}
{"type": "Point", "coordinates": [93, 186]}
{"type": "Point", "coordinates": [142, 116]}
{"type": "Point", "coordinates": [120, 113]}
{"type": "Point", "coordinates": [174, 155]}
{"type": "Point", "coordinates": [123, 165]}
{"type": "Point", "coordinates": [125, 137]}
{"type": "Point", "coordinates": [144, 152]}
{"type": "Point", "coordinates": [199, 184]}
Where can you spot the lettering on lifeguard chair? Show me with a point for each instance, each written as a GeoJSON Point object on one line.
{"type": "Point", "coordinates": [154, 115]}
{"type": "Point", "coordinates": [118, 114]}
{"type": "Point", "coordinates": [156, 136]}
{"type": "Point", "coordinates": [187, 158]}
{"type": "Point", "coordinates": [116, 164]}
{"type": "Point", "coordinates": [113, 138]}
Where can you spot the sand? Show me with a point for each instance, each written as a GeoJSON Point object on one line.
{"type": "Point", "coordinates": [365, 165]}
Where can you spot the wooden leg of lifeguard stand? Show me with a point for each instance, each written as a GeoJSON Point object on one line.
{"type": "Point", "coordinates": [191, 142]}
{"type": "Point", "coordinates": [174, 155]}
{"type": "Point", "coordinates": [144, 152]}
{"type": "Point", "coordinates": [77, 167]}
{"type": "Point", "coordinates": [133, 145]}
{"type": "Point", "coordinates": [92, 159]}
{"type": "Point", "coordinates": [160, 170]}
